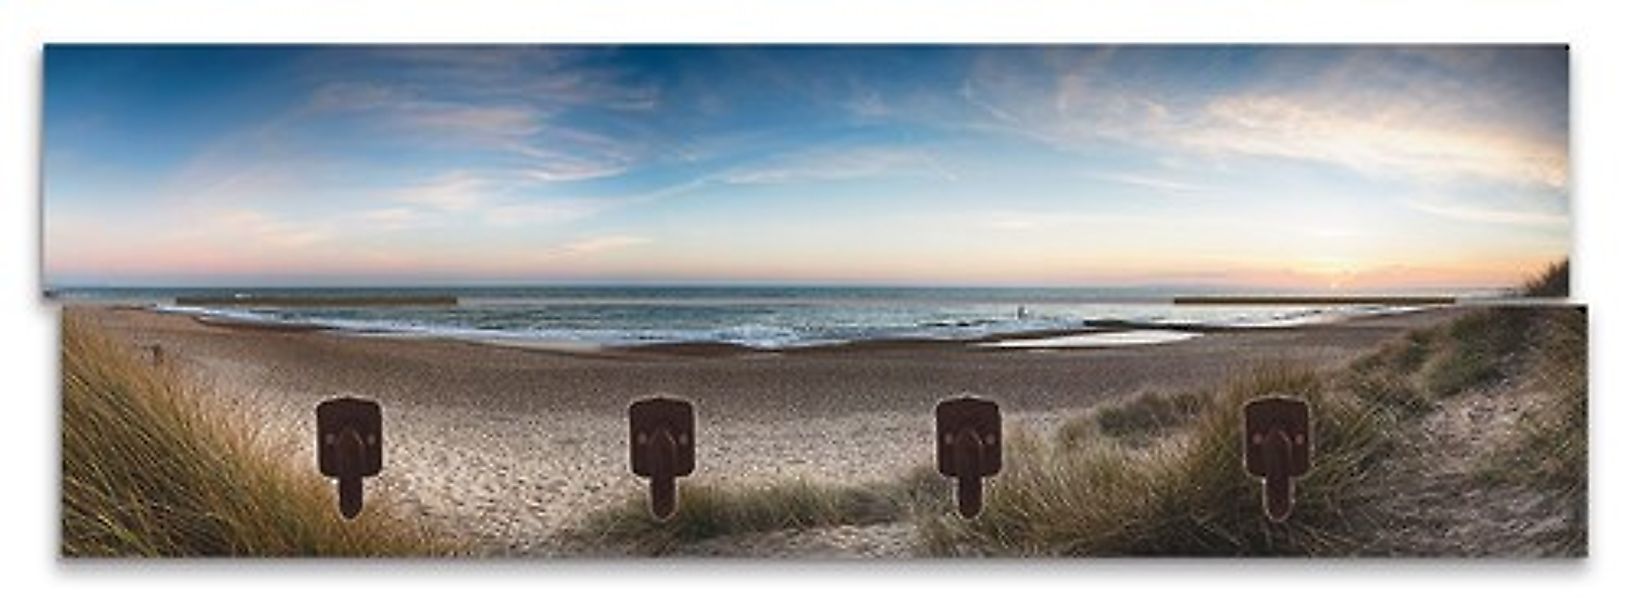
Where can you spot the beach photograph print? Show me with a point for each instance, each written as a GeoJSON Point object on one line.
{"type": "Point", "coordinates": [814, 301]}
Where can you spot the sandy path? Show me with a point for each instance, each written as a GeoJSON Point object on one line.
{"type": "Point", "coordinates": [1446, 506]}
{"type": "Point", "coordinates": [508, 445]}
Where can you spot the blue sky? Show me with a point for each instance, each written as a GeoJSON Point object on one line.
{"type": "Point", "coordinates": [1315, 167]}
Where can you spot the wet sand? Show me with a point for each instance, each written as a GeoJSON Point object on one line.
{"type": "Point", "coordinates": [507, 445]}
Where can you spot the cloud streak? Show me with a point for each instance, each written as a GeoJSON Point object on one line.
{"type": "Point", "coordinates": [596, 245]}
{"type": "Point", "coordinates": [1363, 112]}
{"type": "Point", "coordinates": [1381, 140]}
{"type": "Point", "coordinates": [1497, 216]}
{"type": "Point", "coordinates": [841, 164]}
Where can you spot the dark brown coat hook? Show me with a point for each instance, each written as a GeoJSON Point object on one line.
{"type": "Point", "coordinates": [662, 447]}
{"type": "Point", "coordinates": [968, 432]}
{"type": "Point", "coordinates": [349, 447]}
{"type": "Point", "coordinates": [1278, 447]}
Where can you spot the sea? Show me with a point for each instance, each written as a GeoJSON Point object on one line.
{"type": "Point", "coordinates": [765, 317]}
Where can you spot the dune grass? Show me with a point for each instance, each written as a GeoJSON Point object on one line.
{"type": "Point", "coordinates": [1391, 375]}
{"type": "Point", "coordinates": [707, 511]}
{"type": "Point", "coordinates": [1553, 282]}
{"type": "Point", "coordinates": [1550, 452]}
{"type": "Point", "coordinates": [1138, 421]}
{"type": "Point", "coordinates": [150, 467]}
{"type": "Point", "coordinates": [1557, 436]}
{"type": "Point", "coordinates": [1479, 348]}
{"type": "Point", "coordinates": [1184, 497]}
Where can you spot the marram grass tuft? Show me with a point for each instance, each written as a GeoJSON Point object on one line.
{"type": "Point", "coordinates": [151, 467]}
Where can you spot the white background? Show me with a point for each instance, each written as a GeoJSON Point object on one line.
{"type": "Point", "coordinates": [28, 369]}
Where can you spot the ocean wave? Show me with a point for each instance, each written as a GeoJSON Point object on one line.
{"type": "Point", "coordinates": [764, 326]}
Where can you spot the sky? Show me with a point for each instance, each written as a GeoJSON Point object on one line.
{"type": "Point", "coordinates": [1328, 168]}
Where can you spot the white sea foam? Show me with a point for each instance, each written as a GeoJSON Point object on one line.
{"type": "Point", "coordinates": [1098, 339]}
{"type": "Point", "coordinates": [771, 318]}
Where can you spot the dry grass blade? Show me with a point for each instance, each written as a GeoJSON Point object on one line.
{"type": "Point", "coordinates": [150, 467]}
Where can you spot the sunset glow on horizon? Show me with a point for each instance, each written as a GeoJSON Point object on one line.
{"type": "Point", "coordinates": [1330, 168]}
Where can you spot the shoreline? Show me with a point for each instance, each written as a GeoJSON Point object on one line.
{"type": "Point", "coordinates": [1076, 338]}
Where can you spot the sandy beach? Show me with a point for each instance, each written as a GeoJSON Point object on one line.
{"type": "Point", "coordinates": [508, 445]}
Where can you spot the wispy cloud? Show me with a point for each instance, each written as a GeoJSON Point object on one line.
{"type": "Point", "coordinates": [549, 76]}
{"type": "Point", "coordinates": [394, 219]}
{"type": "Point", "coordinates": [258, 228]}
{"type": "Point", "coordinates": [521, 101]}
{"type": "Point", "coordinates": [596, 245]}
{"type": "Point", "coordinates": [1155, 182]}
{"type": "Point", "coordinates": [450, 192]}
{"type": "Point", "coordinates": [543, 212]}
{"type": "Point", "coordinates": [868, 104]}
{"type": "Point", "coordinates": [499, 122]}
{"type": "Point", "coordinates": [839, 164]}
{"type": "Point", "coordinates": [342, 96]}
{"type": "Point", "coordinates": [1491, 215]}
{"type": "Point", "coordinates": [590, 157]}
{"type": "Point", "coordinates": [1031, 221]}
{"type": "Point", "coordinates": [1368, 112]}
{"type": "Point", "coordinates": [1380, 139]}
{"type": "Point", "coordinates": [973, 97]}
{"type": "Point", "coordinates": [496, 198]}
